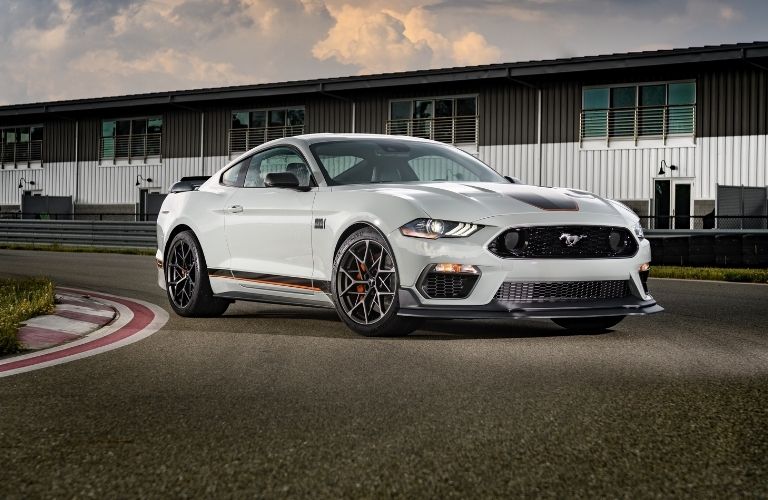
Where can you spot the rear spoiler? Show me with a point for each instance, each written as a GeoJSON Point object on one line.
{"type": "Point", "coordinates": [192, 183]}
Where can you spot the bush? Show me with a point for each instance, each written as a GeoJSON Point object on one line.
{"type": "Point", "coordinates": [711, 273]}
{"type": "Point", "coordinates": [21, 299]}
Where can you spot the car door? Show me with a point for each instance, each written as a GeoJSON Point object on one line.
{"type": "Point", "coordinates": [269, 229]}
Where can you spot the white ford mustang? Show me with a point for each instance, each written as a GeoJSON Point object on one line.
{"type": "Point", "coordinates": [390, 230]}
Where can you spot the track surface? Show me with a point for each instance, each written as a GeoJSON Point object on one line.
{"type": "Point", "coordinates": [284, 402]}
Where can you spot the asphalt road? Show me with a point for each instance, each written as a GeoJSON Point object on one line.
{"type": "Point", "coordinates": [273, 401]}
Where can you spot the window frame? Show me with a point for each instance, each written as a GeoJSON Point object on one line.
{"type": "Point", "coordinates": [241, 175]}
{"type": "Point", "coordinates": [434, 99]}
{"type": "Point", "coordinates": [607, 138]}
{"type": "Point", "coordinates": [30, 162]}
{"type": "Point", "coordinates": [131, 159]}
{"type": "Point", "coordinates": [267, 111]}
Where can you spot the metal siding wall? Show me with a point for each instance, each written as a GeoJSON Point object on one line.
{"type": "Point", "coordinates": [732, 103]}
{"type": "Point", "coordinates": [371, 114]}
{"type": "Point", "coordinates": [507, 115]}
{"type": "Point", "coordinates": [54, 179]}
{"type": "Point", "coordinates": [181, 134]}
{"type": "Point", "coordinates": [90, 135]}
{"type": "Point", "coordinates": [217, 123]}
{"type": "Point", "coordinates": [328, 115]}
{"type": "Point", "coordinates": [517, 160]}
{"type": "Point", "coordinates": [560, 106]}
{"type": "Point", "coordinates": [58, 141]}
{"type": "Point", "coordinates": [629, 173]}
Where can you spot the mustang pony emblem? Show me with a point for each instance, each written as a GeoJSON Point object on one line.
{"type": "Point", "coordinates": [571, 239]}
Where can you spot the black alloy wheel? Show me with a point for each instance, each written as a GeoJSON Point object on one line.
{"type": "Point", "coordinates": [365, 286]}
{"type": "Point", "coordinates": [186, 279]}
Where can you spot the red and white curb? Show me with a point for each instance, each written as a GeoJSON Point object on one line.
{"type": "Point", "coordinates": [75, 316]}
{"type": "Point", "coordinates": [135, 320]}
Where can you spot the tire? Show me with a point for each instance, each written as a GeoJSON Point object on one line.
{"type": "Point", "coordinates": [597, 324]}
{"type": "Point", "coordinates": [364, 286]}
{"type": "Point", "coordinates": [186, 280]}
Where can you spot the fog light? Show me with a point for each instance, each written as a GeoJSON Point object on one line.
{"type": "Point", "coordinates": [514, 240]}
{"type": "Point", "coordinates": [645, 267]}
{"type": "Point", "coordinates": [616, 241]}
{"type": "Point", "coordinates": [456, 269]}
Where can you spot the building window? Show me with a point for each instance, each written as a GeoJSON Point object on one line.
{"type": "Point", "coordinates": [653, 111]}
{"type": "Point", "coordinates": [131, 139]}
{"type": "Point", "coordinates": [452, 120]}
{"type": "Point", "coordinates": [253, 127]}
{"type": "Point", "coordinates": [21, 146]}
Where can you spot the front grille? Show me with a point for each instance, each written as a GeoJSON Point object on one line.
{"type": "Point", "coordinates": [448, 286]}
{"type": "Point", "coordinates": [558, 291]}
{"type": "Point", "coordinates": [564, 242]}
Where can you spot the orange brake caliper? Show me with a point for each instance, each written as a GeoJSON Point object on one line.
{"type": "Point", "coordinates": [361, 287]}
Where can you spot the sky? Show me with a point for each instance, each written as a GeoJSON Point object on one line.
{"type": "Point", "coordinates": [67, 49]}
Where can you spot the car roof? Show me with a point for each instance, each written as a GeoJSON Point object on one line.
{"type": "Point", "coordinates": [316, 138]}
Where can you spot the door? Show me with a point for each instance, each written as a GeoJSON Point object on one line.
{"type": "Point", "coordinates": [672, 204]}
{"type": "Point", "coordinates": [662, 201]}
{"type": "Point", "coordinates": [268, 229]}
{"type": "Point", "coordinates": [682, 205]}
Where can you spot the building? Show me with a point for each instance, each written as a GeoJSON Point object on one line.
{"type": "Point", "coordinates": [671, 133]}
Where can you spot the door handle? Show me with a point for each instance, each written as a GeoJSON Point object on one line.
{"type": "Point", "coordinates": [235, 209]}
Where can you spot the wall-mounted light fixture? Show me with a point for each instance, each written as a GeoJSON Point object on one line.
{"type": "Point", "coordinates": [23, 181]}
{"type": "Point", "coordinates": [140, 178]}
{"type": "Point", "coordinates": [664, 164]}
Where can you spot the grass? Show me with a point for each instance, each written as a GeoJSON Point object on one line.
{"type": "Point", "coordinates": [55, 247]}
{"type": "Point", "coordinates": [711, 273]}
{"type": "Point", "coordinates": [21, 299]}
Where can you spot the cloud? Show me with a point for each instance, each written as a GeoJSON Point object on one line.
{"type": "Point", "coordinates": [728, 13]}
{"type": "Point", "coordinates": [61, 49]}
{"type": "Point", "coordinates": [389, 40]}
{"type": "Point", "coordinates": [473, 48]}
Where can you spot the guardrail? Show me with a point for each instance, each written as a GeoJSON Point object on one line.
{"type": "Point", "coordinates": [707, 247]}
{"type": "Point", "coordinates": [91, 233]}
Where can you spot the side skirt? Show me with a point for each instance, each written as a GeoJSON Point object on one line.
{"type": "Point", "coordinates": [274, 299]}
{"type": "Point", "coordinates": [270, 288]}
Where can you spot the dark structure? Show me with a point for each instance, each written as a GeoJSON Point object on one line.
{"type": "Point", "coordinates": [662, 131]}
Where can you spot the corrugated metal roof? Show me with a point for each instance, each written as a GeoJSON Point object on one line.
{"type": "Point", "coordinates": [535, 68]}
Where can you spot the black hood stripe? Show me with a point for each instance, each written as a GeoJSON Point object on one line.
{"type": "Point", "coordinates": [553, 201]}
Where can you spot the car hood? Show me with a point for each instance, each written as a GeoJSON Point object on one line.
{"type": "Point", "coordinates": [472, 201]}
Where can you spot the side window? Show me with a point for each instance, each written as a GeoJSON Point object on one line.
{"type": "Point", "coordinates": [273, 161]}
{"type": "Point", "coordinates": [231, 176]}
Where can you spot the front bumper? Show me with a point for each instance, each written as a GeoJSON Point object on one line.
{"type": "Point", "coordinates": [414, 255]}
{"type": "Point", "coordinates": [411, 305]}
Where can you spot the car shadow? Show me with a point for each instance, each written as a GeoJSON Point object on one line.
{"type": "Point", "coordinates": [332, 326]}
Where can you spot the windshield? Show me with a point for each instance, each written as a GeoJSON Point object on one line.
{"type": "Point", "coordinates": [371, 161]}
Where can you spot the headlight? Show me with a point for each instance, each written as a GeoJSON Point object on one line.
{"type": "Point", "coordinates": [435, 228]}
{"type": "Point", "coordinates": [638, 229]}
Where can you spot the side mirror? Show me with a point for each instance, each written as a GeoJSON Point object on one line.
{"type": "Point", "coordinates": [188, 184]}
{"type": "Point", "coordinates": [284, 180]}
{"type": "Point", "coordinates": [513, 180]}
{"type": "Point", "coordinates": [182, 187]}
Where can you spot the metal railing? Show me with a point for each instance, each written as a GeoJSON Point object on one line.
{"type": "Point", "coordinates": [91, 233]}
{"type": "Point", "coordinates": [21, 152]}
{"type": "Point", "coordinates": [130, 147]}
{"type": "Point", "coordinates": [243, 139]}
{"type": "Point", "coordinates": [451, 130]}
{"type": "Point", "coordinates": [646, 122]}
{"type": "Point", "coordinates": [80, 216]}
{"type": "Point", "coordinates": [705, 222]}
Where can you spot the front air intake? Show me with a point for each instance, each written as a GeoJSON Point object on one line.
{"type": "Point", "coordinates": [564, 242]}
{"type": "Point", "coordinates": [521, 292]}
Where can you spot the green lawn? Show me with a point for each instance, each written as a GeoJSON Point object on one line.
{"type": "Point", "coordinates": [21, 299]}
{"type": "Point", "coordinates": [711, 273]}
{"type": "Point", "coordinates": [55, 247]}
